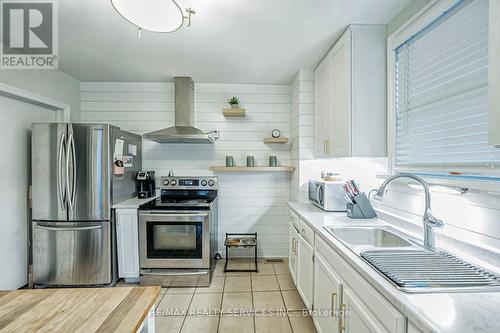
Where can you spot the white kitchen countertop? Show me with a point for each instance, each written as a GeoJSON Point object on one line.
{"type": "Point", "coordinates": [436, 312]}
{"type": "Point", "coordinates": [133, 203]}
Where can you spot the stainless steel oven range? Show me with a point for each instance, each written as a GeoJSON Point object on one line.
{"type": "Point", "coordinates": [178, 233]}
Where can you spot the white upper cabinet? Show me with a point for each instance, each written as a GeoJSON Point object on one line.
{"type": "Point", "coordinates": [323, 105]}
{"type": "Point", "coordinates": [339, 143]}
{"type": "Point", "coordinates": [350, 95]}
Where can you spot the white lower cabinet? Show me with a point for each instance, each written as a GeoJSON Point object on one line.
{"type": "Point", "coordinates": [293, 236]}
{"type": "Point", "coordinates": [361, 307]}
{"type": "Point", "coordinates": [342, 300]}
{"type": "Point", "coordinates": [357, 318]}
{"type": "Point", "coordinates": [327, 296]}
{"type": "Point", "coordinates": [127, 240]}
{"type": "Point", "coordinates": [412, 328]}
{"type": "Point", "coordinates": [305, 271]}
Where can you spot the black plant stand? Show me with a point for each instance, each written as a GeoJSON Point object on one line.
{"type": "Point", "coordinates": [241, 240]}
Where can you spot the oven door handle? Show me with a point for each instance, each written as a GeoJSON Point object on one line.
{"type": "Point", "coordinates": [175, 273]}
{"type": "Point", "coordinates": [186, 215]}
{"type": "Point", "coordinates": [174, 214]}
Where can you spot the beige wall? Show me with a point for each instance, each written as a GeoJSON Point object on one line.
{"type": "Point", "coordinates": [48, 83]}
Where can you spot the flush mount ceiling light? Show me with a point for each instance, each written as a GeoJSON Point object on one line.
{"type": "Point", "coordinates": [153, 15]}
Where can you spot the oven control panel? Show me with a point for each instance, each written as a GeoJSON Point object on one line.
{"type": "Point", "coordinates": [189, 183]}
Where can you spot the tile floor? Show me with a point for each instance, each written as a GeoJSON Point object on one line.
{"type": "Point", "coordinates": [236, 302]}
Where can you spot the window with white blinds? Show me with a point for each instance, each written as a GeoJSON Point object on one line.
{"type": "Point", "coordinates": [441, 82]}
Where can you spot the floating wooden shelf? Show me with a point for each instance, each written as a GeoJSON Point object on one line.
{"type": "Point", "coordinates": [276, 140]}
{"type": "Point", "coordinates": [234, 112]}
{"type": "Point", "coordinates": [252, 169]}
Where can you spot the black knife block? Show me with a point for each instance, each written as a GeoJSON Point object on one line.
{"type": "Point", "coordinates": [361, 208]}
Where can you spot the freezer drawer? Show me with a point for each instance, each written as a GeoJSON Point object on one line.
{"type": "Point", "coordinates": [72, 253]}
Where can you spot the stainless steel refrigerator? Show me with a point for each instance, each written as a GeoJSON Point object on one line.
{"type": "Point", "coordinates": [74, 186]}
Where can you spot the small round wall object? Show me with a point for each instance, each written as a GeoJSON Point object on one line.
{"type": "Point", "coordinates": [276, 133]}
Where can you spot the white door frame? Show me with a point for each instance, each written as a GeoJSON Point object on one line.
{"type": "Point", "coordinates": [63, 109]}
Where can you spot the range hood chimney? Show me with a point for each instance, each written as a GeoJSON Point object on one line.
{"type": "Point", "coordinates": [183, 131]}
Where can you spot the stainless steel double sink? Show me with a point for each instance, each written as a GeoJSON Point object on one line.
{"type": "Point", "coordinates": [410, 266]}
{"type": "Point", "coordinates": [378, 237]}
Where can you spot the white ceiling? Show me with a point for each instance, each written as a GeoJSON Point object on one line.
{"type": "Point", "coordinates": [232, 41]}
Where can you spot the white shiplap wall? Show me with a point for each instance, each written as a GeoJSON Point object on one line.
{"type": "Point", "coordinates": [301, 131]}
{"type": "Point", "coordinates": [247, 202]}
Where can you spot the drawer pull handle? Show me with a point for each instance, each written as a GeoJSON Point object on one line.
{"type": "Point", "coordinates": [334, 304]}
{"type": "Point", "coordinates": [327, 149]}
{"type": "Point", "coordinates": [342, 318]}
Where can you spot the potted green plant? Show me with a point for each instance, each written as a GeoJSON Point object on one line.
{"type": "Point", "coordinates": [234, 102]}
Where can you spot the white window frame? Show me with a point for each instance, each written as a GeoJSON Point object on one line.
{"type": "Point", "coordinates": [424, 17]}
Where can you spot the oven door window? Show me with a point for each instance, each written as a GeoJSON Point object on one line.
{"type": "Point", "coordinates": [174, 240]}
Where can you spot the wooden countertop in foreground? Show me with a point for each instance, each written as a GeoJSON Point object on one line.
{"type": "Point", "coordinates": [121, 309]}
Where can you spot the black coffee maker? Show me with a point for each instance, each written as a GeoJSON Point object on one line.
{"type": "Point", "coordinates": [146, 184]}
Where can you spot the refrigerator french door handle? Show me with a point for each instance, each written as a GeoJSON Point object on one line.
{"type": "Point", "coordinates": [173, 214]}
{"type": "Point", "coordinates": [60, 188]}
{"type": "Point", "coordinates": [70, 196]}
{"type": "Point", "coordinates": [73, 179]}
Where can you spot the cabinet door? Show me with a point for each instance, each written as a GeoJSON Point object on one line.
{"type": "Point", "coordinates": [292, 251]}
{"type": "Point", "coordinates": [323, 106]}
{"type": "Point", "coordinates": [356, 317]}
{"type": "Point", "coordinates": [127, 241]}
{"type": "Point", "coordinates": [327, 293]}
{"type": "Point", "coordinates": [305, 271]}
{"type": "Point", "coordinates": [412, 328]}
{"type": "Point", "coordinates": [340, 130]}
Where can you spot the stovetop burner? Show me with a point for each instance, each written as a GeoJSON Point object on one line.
{"type": "Point", "coordinates": [167, 201]}
{"type": "Point", "coordinates": [185, 193]}
{"type": "Point", "coordinates": [160, 203]}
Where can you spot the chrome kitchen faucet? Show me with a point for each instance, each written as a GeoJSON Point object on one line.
{"type": "Point", "coordinates": [430, 221]}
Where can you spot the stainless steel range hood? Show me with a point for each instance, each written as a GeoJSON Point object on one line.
{"type": "Point", "coordinates": [183, 131]}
